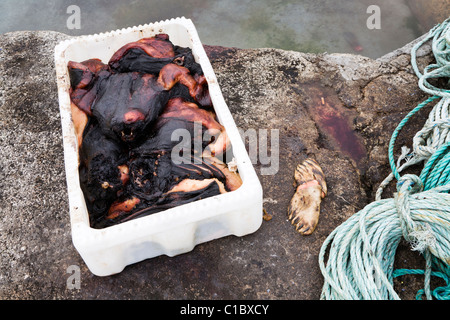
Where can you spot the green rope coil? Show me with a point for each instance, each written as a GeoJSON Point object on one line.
{"type": "Point", "coordinates": [360, 252]}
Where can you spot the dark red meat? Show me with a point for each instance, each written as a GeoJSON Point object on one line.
{"type": "Point", "coordinates": [132, 107]}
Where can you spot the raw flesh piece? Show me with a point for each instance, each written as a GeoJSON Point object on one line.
{"type": "Point", "coordinates": [126, 114]}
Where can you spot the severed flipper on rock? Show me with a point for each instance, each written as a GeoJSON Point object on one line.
{"type": "Point", "coordinates": [304, 208]}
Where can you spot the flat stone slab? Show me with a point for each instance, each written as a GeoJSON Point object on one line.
{"type": "Point", "coordinates": [337, 108]}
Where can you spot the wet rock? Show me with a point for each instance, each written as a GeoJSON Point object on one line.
{"type": "Point", "coordinates": [337, 108]}
{"type": "Point", "coordinates": [429, 12]}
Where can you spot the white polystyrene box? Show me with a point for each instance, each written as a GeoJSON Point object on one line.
{"type": "Point", "coordinates": [174, 231]}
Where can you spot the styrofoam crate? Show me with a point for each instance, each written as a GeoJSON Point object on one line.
{"type": "Point", "coordinates": [174, 231]}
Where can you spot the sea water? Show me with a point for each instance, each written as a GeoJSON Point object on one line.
{"type": "Point", "coordinates": [345, 26]}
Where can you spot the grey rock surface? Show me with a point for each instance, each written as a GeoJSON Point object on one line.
{"type": "Point", "coordinates": [338, 108]}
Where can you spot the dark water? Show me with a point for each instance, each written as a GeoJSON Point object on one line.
{"type": "Point", "coordinates": [306, 25]}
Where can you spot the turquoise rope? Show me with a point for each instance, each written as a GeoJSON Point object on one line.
{"type": "Point", "coordinates": [360, 252]}
{"type": "Point", "coordinates": [397, 131]}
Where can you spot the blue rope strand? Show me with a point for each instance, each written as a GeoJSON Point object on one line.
{"type": "Point", "coordinates": [361, 250]}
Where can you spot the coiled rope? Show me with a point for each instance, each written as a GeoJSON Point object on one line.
{"type": "Point", "coordinates": [360, 252]}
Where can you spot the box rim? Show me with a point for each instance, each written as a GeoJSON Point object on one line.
{"type": "Point", "coordinates": [83, 234]}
